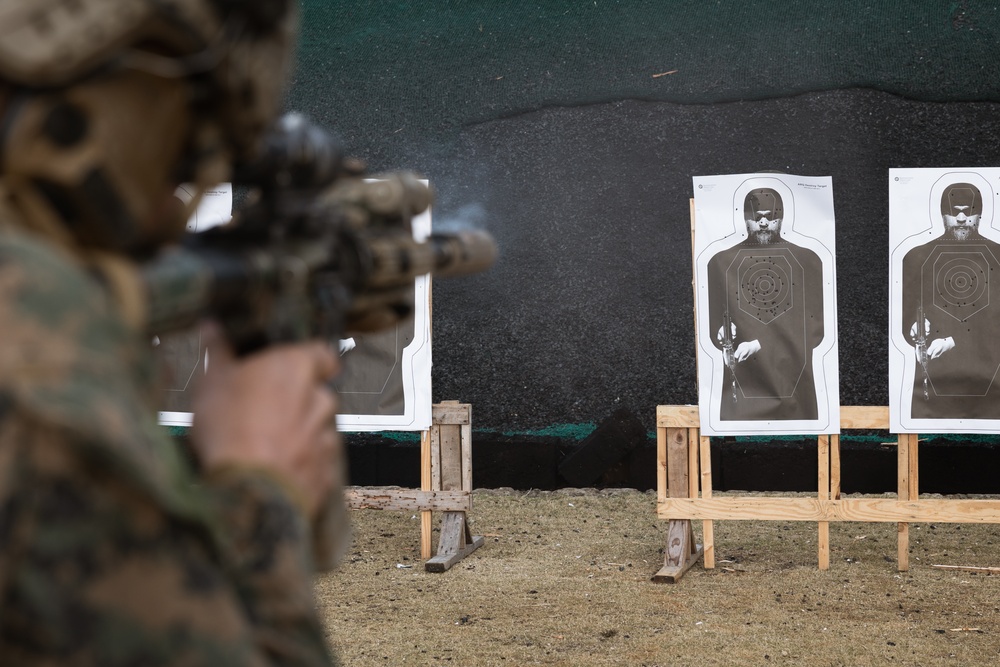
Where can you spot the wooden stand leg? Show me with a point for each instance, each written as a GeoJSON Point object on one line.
{"type": "Point", "coordinates": [451, 450]}
{"type": "Point", "coordinates": [903, 492]}
{"type": "Point", "coordinates": [823, 448]}
{"type": "Point", "coordinates": [681, 551]}
{"type": "Point", "coordinates": [834, 467]}
{"type": "Point", "coordinates": [426, 516]}
{"type": "Point", "coordinates": [456, 542]}
{"type": "Point", "coordinates": [707, 526]}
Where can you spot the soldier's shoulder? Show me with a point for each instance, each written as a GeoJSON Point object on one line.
{"type": "Point", "coordinates": [64, 348]}
{"type": "Point", "coordinates": [40, 282]}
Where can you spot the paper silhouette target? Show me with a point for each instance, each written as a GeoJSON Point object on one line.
{"type": "Point", "coordinates": [944, 301]}
{"type": "Point", "coordinates": [766, 304]}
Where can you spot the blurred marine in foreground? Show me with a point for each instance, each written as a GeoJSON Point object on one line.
{"type": "Point", "coordinates": [113, 549]}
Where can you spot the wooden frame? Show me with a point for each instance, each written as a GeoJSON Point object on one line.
{"type": "Point", "coordinates": [678, 499]}
{"type": "Point", "coordinates": [445, 486]}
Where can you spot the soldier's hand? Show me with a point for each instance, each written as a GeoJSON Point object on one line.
{"type": "Point", "coordinates": [271, 410]}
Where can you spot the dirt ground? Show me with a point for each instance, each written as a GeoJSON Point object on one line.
{"type": "Point", "coordinates": [564, 579]}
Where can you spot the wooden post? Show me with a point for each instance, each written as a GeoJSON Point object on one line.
{"type": "Point", "coordinates": [908, 488]}
{"type": "Point", "coordinates": [681, 552]}
{"type": "Point", "coordinates": [903, 492]}
{"type": "Point", "coordinates": [661, 464]}
{"type": "Point", "coordinates": [834, 467]}
{"type": "Point", "coordinates": [426, 516]}
{"type": "Point", "coordinates": [707, 526]}
{"type": "Point", "coordinates": [823, 447]}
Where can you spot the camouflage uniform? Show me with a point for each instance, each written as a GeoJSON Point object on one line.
{"type": "Point", "coordinates": [112, 551]}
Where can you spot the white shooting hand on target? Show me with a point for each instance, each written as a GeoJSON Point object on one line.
{"type": "Point", "coordinates": [746, 350]}
{"type": "Point", "coordinates": [939, 346]}
{"type": "Point", "coordinates": [915, 333]}
{"type": "Point", "coordinates": [721, 335]}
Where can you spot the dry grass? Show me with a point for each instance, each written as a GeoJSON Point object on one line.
{"type": "Point", "coordinates": [564, 580]}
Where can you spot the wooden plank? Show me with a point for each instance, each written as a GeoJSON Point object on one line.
{"type": "Point", "coordinates": [677, 416]}
{"type": "Point", "coordinates": [426, 483]}
{"type": "Point", "coordinates": [903, 493]}
{"type": "Point", "coordinates": [467, 457]}
{"type": "Point", "coordinates": [408, 499]}
{"type": "Point", "coordinates": [914, 466]}
{"type": "Point", "coordinates": [903, 466]}
{"type": "Point", "coordinates": [451, 457]}
{"type": "Point", "coordinates": [851, 416]}
{"type": "Point", "coordinates": [823, 540]}
{"type": "Point", "coordinates": [707, 527]}
{"type": "Point", "coordinates": [436, 457]}
{"type": "Point", "coordinates": [864, 417]}
{"type": "Point", "coordinates": [451, 412]}
{"type": "Point", "coordinates": [884, 510]}
{"type": "Point", "coordinates": [661, 463]}
{"type": "Point", "coordinates": [968, 568]}
{"type": "Point", "coordinates": [903, 547]}
{"type": "Point", "coordinates": [693, 477]}
{"type": "Point", "coordinates": [834, 467]}
{"type": "Point", "coordinates": [677, 465]}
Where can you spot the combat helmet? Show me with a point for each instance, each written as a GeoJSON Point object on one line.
{"type": "Point", "coordinates": [89, 90]}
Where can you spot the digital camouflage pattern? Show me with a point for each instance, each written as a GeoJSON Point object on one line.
{"type": "Point", "coordinates": [112, 550]}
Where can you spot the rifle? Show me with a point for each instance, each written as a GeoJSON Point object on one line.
{"type": "Point", "coordinates": [318, 252]}
{"type": "Point", "coordinates": [727, 349]}
{"type": "Point", "coordinates": [920, 342]}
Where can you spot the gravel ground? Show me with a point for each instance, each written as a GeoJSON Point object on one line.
{"type": "Point", "coordinates": [564, 579]}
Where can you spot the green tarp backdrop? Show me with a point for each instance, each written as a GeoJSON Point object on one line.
{"type": "Point", "coordinates": [377, 69]}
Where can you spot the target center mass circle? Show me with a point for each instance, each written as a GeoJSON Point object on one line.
{"type": "Point", "coordinates": [960, 281]}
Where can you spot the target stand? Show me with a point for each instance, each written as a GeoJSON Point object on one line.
{"type": "Point", "coordinates": [445, 486]}
{"type": "Point", "coordinates": [684, 468]}
{"type": "Point", "coordinates": [678, 439]}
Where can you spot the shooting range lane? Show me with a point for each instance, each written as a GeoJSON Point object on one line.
{"type": "Point", "coordinates": [590, 306]}
{"type": "Point", "coordinates": [527, 119]}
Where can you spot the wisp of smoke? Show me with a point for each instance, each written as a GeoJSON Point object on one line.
{"type": "Point", "coordinates": [469, 216]}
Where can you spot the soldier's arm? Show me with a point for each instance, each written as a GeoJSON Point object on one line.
{"type": "Point", "coordinates": [112, 551]}
{"type": "Point", "coordinates": [96, 569]}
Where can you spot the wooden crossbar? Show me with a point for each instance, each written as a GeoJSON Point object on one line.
{"type": "Point", "coordinates": [871, 510]}
{"type": "Point", "coordinates": [408, 500]}
{"type": "Point", "coordinates": [852, 417]}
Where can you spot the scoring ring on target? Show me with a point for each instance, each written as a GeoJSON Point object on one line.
{"type": "Point", "coordinates": [765, 290]}
{"type": "Point", "coordinates": [765, 286]}
{"type": "Point", "coordinates": [961, 283]}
